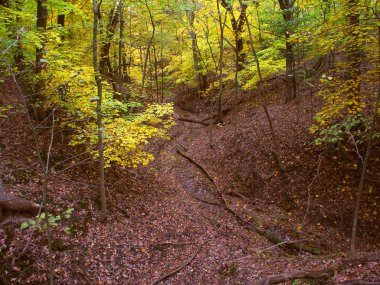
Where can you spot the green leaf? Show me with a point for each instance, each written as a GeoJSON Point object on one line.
{"type": "Point", "coordinates": [24, 225]}
{"type": "Point", "coordinates": [67, 230]}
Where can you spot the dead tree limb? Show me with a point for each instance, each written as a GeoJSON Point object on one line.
{"type": "Point", "coordinates": [317, 275]}
{"type": "Point", "coordinates": [269, 235]}
{"type": "Point", "coordinates": [179, 268]}
{"type": "Point", "coordinates": [180, 152]}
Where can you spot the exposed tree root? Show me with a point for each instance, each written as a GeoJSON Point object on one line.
{"type": "Point", "coordinates": [268, 234]}
{"type": "Point", "coordinates": [317, 275]}
{"type": "Point", "coordinates": [182, 266]}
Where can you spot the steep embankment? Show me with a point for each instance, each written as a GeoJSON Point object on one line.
{"type": "Point", "coordinates": [177, 221]}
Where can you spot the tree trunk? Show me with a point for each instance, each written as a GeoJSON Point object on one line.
{"type": "Point", "coordinates": [147, 50]}
{"type": "Point", "coordinates": [99, 112]}
{"type": "Point", "coordinates": [120, 70]}
{"type": "Point", "coordinates": [200, 77]}
{"type": "Point", "coordinates": [252, 46]}
{"type": "Point", "coordinates": [39, 99]}
{"type": "Point", "coordinates": [61, 20]}
{"type": "Point", "coordinates": [221, 51]}
{"type": "Point", "coordinates": [354, 57]}
{"type": "Point", "coordinates": [366, 158]}
{"type": "Point", "coordinates": [291, 91]}
{"type": "Point", "coordinates": [237, 27]}
{"type": "Point", "coordinates": [105, 66]}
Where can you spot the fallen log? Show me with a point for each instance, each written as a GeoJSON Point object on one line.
{"type": "Point", "coordinates": [321, 275]}
{"type": "Point", "coordinates": [13, 203]}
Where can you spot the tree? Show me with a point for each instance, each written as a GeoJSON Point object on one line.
{"type": "Point", "coordinates": [39, 97]}
{"type": "Point", "coordinates": [237, 26]}
{"type": "Point", "coordinates": [99, 111]}
{"type": "Point", "coordinates": [287, 13]}
{"type": "Point", "coordinates": [201, 77]}
{"type": "Point", "coordinates": [105, 66]}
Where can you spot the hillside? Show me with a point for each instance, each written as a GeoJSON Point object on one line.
{"type": "Point", "coordinates": [190, 142]}
{"type": "Point", "coordinates": [162, 216]}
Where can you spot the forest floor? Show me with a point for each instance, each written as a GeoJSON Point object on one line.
{"type": "Point", "coordinates": [186, 224]}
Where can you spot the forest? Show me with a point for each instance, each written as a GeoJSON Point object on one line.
{"type": "Point", "coordinates": [190, 142]}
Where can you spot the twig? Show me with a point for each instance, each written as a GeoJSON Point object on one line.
{"type": "Point", "coordinates": [353, 141]}
{"type": "Point", "coordinates": [183, 265]}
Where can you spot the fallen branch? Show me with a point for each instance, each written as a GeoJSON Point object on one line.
{"type": "Point", "coordinates": [237, 194]}
{"type": "Point", "coordinates": [316, 275]}
{"type": "Point", "coordinates": [182, 266]}
{"type": "Point", "coordinates": [180, 152]}
{"type": "Point", "coordinates": [269, 235]}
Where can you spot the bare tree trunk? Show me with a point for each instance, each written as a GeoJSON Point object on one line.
{"type": "Point", "coordinates": [39, 99]}
{"type": "Point", "coordinates": [291, 92]}
{"type": "Point", "coordinates": [354, 51]}
{"type": "Point", "coordinates": [120, 73]}
{"type": "Point", "coordinates": [147, 50]}
{"type": "Point", "coordinates": [221, 51]}
{"type": "Point", "coordinates": [105, 66]}
{"type": "Point", "coordinates": [252, 46]}
{"type": "Point", "coordinates": [162, 73]}
{"type": "Point", "coordinates": [44, 203]}
{"type": "Point", "coordinates": [201, 78]}
{"type": "Point", "coordinates": [366, 161]}
{"type": "Point", "coordinates": [237, 26]}
{"type": "Point", "coordinates": [99, 112]}
{"type": "Point", "coordinates": [259, 22]}
{"type": "Point", "coordinates": [155, 65]}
